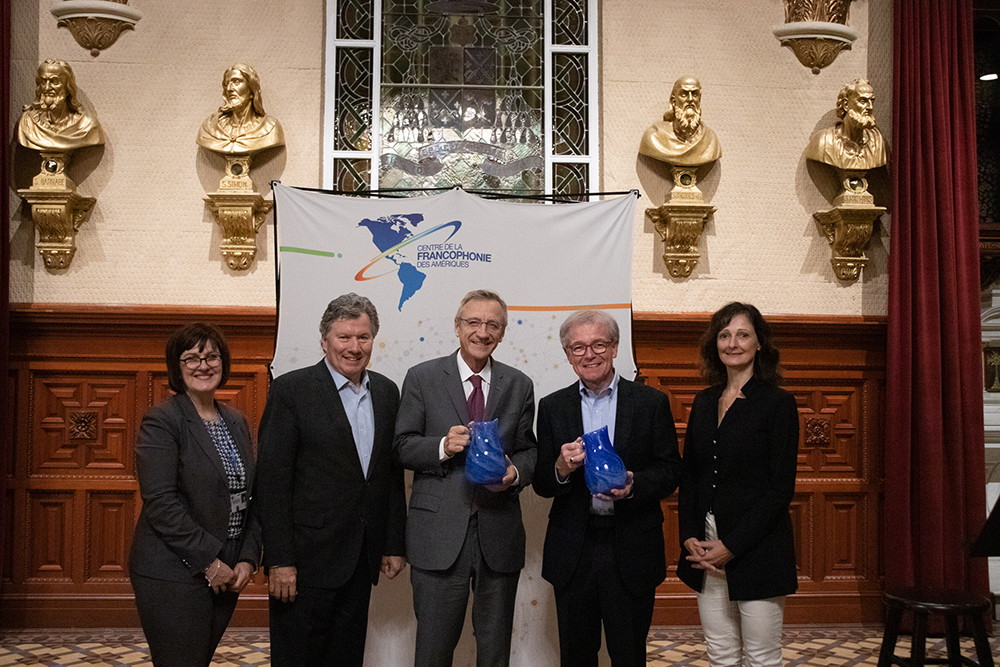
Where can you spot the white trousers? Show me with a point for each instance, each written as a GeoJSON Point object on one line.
{"type": "Point", "coordinates": [738, 633]}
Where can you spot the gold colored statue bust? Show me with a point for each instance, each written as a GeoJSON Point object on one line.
{"type": "Point", "coordinates": [56, 121]}
{"type": "Point", "coordinates": [240, 126]}
{"type": "Point", "coordinates": [854, 143]}
{"type": "Point", "coordinates": [681, 138]}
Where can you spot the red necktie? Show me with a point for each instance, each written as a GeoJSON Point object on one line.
{"type": "Point", "coordinates": [476, 402]}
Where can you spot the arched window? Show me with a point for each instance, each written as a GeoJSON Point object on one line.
{"type": "Point", "coordinates": [490, 94]}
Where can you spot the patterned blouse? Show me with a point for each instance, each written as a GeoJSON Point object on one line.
{"type": "Point", "coordinates": [235, 473]}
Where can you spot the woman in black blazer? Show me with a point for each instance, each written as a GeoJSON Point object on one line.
{"type": "Point", "coordinates": [737, 482]}
{"type": "Point", "coordinates": [197, 541]}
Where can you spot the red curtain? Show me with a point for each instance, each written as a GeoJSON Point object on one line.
{"type": "Point", "coordinates": [5, 157]}
{"type": "Point", "coordinates": [935, 479]}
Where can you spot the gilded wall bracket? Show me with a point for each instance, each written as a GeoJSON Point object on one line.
{"type": "Point", "coordinates": [240, 211]}
{"type": "Point", "coordinates": [816, 32]}
{"type": "Point", "coordinates": [95, 24]}
{"type": "Point", "coordinates": [848, 226]}
{"type": "Point", "coordinates": [680, 225]}
{"type": "Point", "coordinates": [57, 211]}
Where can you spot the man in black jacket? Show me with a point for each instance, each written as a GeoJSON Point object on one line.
{"type": "Point", "coordinates": [330, 493]}
{"type": "Point", "coordinates": [604, 555]}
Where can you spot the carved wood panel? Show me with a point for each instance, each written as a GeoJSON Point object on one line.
{"type": "Point", "coordinates": [111, 517]}
{"type": "Point", "coordinates": [49, 539]}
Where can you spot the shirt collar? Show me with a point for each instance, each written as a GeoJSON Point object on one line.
{"type": "Point", "coordinates": [464, 372]}
{"type": "Point", "coordinates": [607, 391]}
{"type": "Point", "coordinates": [340, 380]}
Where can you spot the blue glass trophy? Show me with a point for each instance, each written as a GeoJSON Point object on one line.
{"type": "Point", "coordinates": [485, 462]}
{"type": "Point", "coordinates": [603, 469]}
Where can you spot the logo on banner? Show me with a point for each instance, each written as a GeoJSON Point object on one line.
{"type": "Point", "coordinates": [391, 234]}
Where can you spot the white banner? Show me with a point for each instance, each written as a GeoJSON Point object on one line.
{"type": "Point", "coordinates": [415, 258]}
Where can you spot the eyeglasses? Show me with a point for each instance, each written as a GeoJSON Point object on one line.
{"type": "Point", "coordinates": [213, 360]}
{"type": "Point", "coordinates": [599, 347]}
{"type": "Point", "coordinates": [491, 326]}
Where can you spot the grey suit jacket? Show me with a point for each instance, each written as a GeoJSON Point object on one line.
{"type": "Point", "coordinates": [432, 402]}
{"type": "Point", "coordinates": [185, 494]}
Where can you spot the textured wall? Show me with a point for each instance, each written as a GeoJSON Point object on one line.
{"type": "Point", "coordinates": [762, 244]}
{"type": "Point", "coordinates": [151, 238]}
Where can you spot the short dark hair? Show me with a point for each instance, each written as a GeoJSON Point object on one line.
{"type": "Point", "coordinates": [348, 307]}
{"type": "Point", "coordinates": [765, 362]}
{"type": "Point", "coordinates": [585, 317]}
{"type": "Point", "coordinates": [194, 335]}
{"type": "Point", "coordinates": [482, 295]}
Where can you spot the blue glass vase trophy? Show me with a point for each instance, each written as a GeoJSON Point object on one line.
{"type": "Point", "coordinates": [603, 469]}
{"type": "Point", "coordinates": [485, 462]}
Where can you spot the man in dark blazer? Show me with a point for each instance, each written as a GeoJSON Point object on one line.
{"type": "Point", "coordinates": [457, 531]}
{"type": "Point", "coordinates": [330, 492]}
{"type": "Point", "coordinates": [604, 555]}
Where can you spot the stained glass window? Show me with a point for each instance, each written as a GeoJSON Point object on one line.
{"type": "Point", "coordinates": [460, 92]}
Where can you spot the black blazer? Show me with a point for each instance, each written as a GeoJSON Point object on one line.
{"type": "Point", "coordinates": [646, 440]}
{"type": "Point", "coordinates": [185, 493]}
{"type": "Point", "coordinates": [316, 505]}
{"type": "Point", "coordinates": [744, 471]}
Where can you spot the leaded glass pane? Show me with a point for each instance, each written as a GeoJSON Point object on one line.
{"type": "Point", "coordinates": [354, 19]}
{"type": "Point", "coordinates": [569, 104]}
{"type": "Point", "coordinates": [462, 94]}
{"type": "Point", "coordinates": [570, 180]}
{"type": "Point", "coordinates": [354, 100]}
{"type": "Point", "coordinates": [351, 175]}
{"type": "Point", "coordinates": [569, 22]}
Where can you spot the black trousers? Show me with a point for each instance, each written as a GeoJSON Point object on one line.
{"type": "Point", "coordinates": [323, 626]}
{"type": "Point", "coordinates": [184, 621]}
{"type": "Point", "coordinates": [596, 594]}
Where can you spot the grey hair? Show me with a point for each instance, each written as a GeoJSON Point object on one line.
{"type": "Point", "coordinates": [348, 307]}
{"type": "Point", "coordinates": [482, 295]}
{"type": "Point", "coordinates": [584, 317]}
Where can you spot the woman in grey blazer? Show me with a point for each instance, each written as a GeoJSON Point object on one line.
{"type": "Point", "coordinates": [197, 541]}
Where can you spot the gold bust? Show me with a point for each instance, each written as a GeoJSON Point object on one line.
{"type": "Point", "coordinates": [681, 138]}
{"type": "Point", "coordinates": [854, 143]}
{"type": "Point", "coordinates": [56, 121]}
{"type": "Point", "coordinates": [241, 126]}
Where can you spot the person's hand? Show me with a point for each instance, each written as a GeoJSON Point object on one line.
{"type": "Point", "coordinates": [244, 571]}
{"type": "Point", "coordinates": [392, 565]}
{"type": "Point", "coordinates": [618, 494]}
{"type": "Point", "coordinates": [507, 480]}
{"type": "Point", "coordinates": [709, 555]}
{"type": "Point", "coordinates": [456, 441]}
{"type": "Point", "coordinates": [281, 583]}
{"type": "Point", "coordinates": [220, 576]}
{"type": "Point", "coordinates": [570, 458]}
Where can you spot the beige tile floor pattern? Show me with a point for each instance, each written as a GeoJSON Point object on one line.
{"type": "Point", "coordinates": [673, 647]}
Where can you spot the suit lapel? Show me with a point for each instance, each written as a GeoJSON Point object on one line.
{"type": "Point", "coordinates": [573, 408]}
{"type": "Point", "coordinates": [330, 398]}
{"type": "Point", "coordinates": [623, 417]}
{"type": "Point", "coordinates": [378, 391]}
{"type": "Point", "coordinates": [200, 433]}
{"type": "Point", "coordinates": [453, 384]}
{"type": "Point", "coordinates": [498, 384]}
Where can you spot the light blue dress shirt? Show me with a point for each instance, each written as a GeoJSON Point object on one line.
{"type": "Point", "coordinates": [357, 401]}
{"type": "Point", "coordinates": [600, 410]}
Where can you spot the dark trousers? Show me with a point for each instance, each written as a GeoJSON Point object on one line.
{"type": "Point", "coordinates": [184, 621]}
{"type": "Point", "coordinates": [440, 598]}
{"type": "Point", "coordinates": [596, 593]}
{"type": "Point", "coordinates": [323, 626]}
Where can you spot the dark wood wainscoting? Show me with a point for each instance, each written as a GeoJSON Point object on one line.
{"type": "Point", "coordinates": [836, 369]}
{"type": "Point", "coordinates": [82, 376]}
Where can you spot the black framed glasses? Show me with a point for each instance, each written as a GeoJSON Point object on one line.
{"type": "Point", "coordinates": [193, 363]}
{"type": "Point", "coordinates": [580, 349]}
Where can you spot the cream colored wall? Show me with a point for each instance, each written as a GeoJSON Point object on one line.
{"type": "Point", "coordinates": [151, 238]}
{"type": "Point", "coordinates": [762, 244]}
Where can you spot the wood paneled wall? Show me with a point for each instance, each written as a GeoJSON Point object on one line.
{"type": "Point", "coordinates": [835, 367]}
{"type": "Point", "coordinates": [81, 378]}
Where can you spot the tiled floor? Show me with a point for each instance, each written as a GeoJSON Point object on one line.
{"type": "Point", "coordinates": [815, 647]}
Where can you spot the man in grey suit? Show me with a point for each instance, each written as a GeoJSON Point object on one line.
{"type": "Point", "coordinates": [457, 532]}
{"type": "Point", "coordinates": [330, 493]}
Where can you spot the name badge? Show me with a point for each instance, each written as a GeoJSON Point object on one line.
{"type": "Point", "coordinates": [237, 501]}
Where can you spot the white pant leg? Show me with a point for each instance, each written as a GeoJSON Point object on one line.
{"type": "Point", "coordinates": [761, 622]}
{"type": "Point", "coordinates": [720, 618]}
